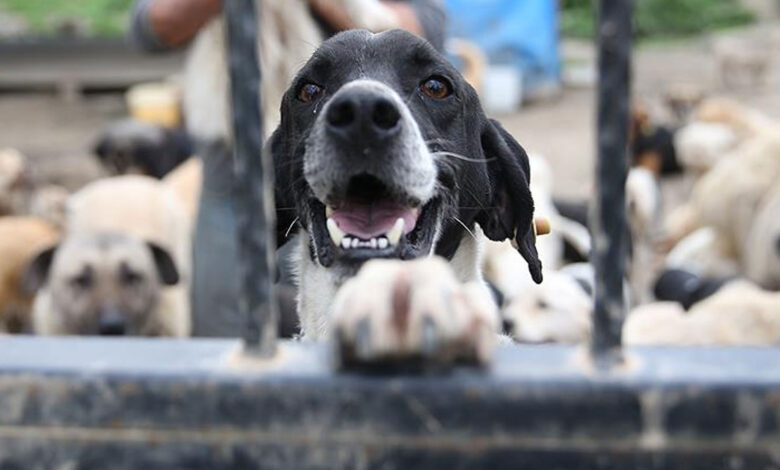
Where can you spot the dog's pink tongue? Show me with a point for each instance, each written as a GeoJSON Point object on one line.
{"type": "Point", "coordinates": [368, 221]}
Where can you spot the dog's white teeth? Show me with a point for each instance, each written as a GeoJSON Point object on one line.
{"type": "Point", "coordinates": [328, 211]}
{"type": "Point", "coordinates": [336, 234]}
{"type": "Point", "coordinates": [394, 235]}
{"type": "Point", "coordinates": [351, 242]}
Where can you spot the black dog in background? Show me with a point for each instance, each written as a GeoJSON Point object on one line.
{"type": "Point", "coordinates": [133, 146]}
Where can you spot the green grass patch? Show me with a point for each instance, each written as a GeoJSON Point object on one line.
{"type": "Point", "coordinates": [659, 18]}
{"type": "Point", "coordinates": [100, 17]}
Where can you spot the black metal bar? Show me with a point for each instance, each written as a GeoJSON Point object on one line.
{"type": "Point", "coordinates": [97, 403]}
{"type": "Point", "coordinates": [609, 217]}
{"type": "Point", "coordinates": [254, 179]}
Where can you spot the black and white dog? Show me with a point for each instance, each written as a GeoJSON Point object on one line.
{"type": "Point", "coordinates": [384, 152]}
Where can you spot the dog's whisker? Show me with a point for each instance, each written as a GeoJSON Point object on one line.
{"type": "Point", "coordinates": [462, 157]}
{"type": "Point", "coordinates": [289, 229]}
{"type": "Point", "coordinates": [464, 226]}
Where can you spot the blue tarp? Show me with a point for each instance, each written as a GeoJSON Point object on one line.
{"type": "Point", "coordinates": [515, 32]}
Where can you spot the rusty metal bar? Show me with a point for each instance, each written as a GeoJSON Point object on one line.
{"type": "Point", "coordinates": [609, 216]}
{"type": "Point", "coordinates": [254, 180]}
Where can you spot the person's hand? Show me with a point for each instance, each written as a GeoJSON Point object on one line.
{"type": "Point", "coordinates": [406, 16]}
{"type": "Point", "coordinates": [370, 14]}
{"type": "Point", "coordinates": [176, 22]}
{"type": "Point", "coordinates": [333, 13]}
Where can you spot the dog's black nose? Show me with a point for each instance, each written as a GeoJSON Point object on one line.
{"type": "Point", "coordinates": [363, 114]}
{"type": "Point", "coordinates": [112, 323]}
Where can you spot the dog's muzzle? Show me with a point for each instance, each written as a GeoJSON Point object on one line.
{"type": "Point", "coordinates": [368, 165]}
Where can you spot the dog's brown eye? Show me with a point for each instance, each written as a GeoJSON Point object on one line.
{"type": "Point", "coordinates": [436, 88]}
{"type": "Point", "coordinates": [309, 92]}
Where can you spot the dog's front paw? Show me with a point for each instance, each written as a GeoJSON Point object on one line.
{"type": "Point", "coordinates": [413, 312]}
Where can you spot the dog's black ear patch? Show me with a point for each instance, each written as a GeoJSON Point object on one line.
{"type": "Point", "coordinates": [37, 272]}
{"type": "Point", "coordinates": [510, 214]}
{"type": "Point", "coordinates": [166, 267]}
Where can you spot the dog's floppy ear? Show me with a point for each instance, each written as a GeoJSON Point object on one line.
{"type": "Point", "coordinates": [37, 272]}
{"type": "Point", "coordinates": [510, 214]}
{"type": "Point", "coordinates": [166, 267]}
{"type": "Point", "coordinates": [283, 198]}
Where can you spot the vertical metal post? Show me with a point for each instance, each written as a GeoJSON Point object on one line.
{"type": "Point", "coordinates": [609, 216]}
{"type": "Point", "coordinates": [254, 179]}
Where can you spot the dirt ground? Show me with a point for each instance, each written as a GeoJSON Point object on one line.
{"type": "Point", "coordinates": [58, 135]}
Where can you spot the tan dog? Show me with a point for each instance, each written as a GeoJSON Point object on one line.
{"type": "Point", "coordinates": [718, 128]}
{"type": "Point", "coordinates": [127, 226]}
{"type": "Point", "coordinates": [726, 202]}
{"type": "Point", "coordinates": [21, 238]}
{"type": "Point", "coordinates": [739, 314]}
{"type": "Point", "coordinates": [107, 284]}
{"type": "Point", "coordinates": [729, 197]}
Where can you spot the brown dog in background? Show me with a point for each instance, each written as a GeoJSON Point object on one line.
{"type": "Point", "coordinates": [21, 238]}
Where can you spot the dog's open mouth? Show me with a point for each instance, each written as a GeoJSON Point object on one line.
{"type": "Point", "coordinates": [370, 220]}
{"type": "Point", "coordinates": [375, 225]}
